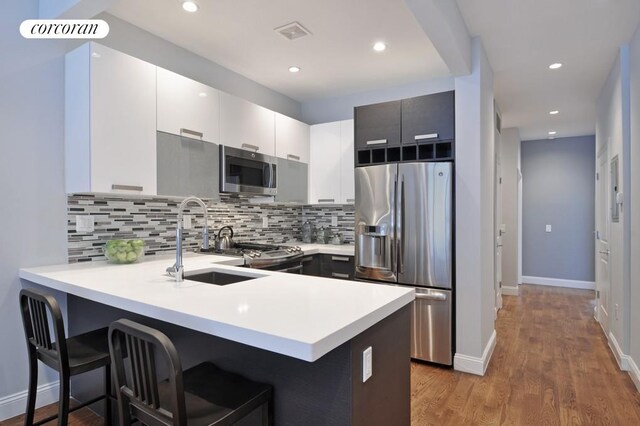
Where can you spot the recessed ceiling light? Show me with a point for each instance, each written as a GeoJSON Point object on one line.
{"type": "Point", "coordinates": [202, 94]}
{"type": "Point", "coordinates": [379, 46]}
{"type": "Point", "coordinates": [294, 69]}
{"type": "Point", "coordinates": [190, 6]}
{"type": "Point", "coordinates": [552, 133]}
{"type": "Point", "coordinates": [555, 66]}
{"type": "Point", "coordinates": [554, 112]}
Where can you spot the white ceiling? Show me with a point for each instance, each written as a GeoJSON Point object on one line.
{"type": "Point", "coordinates": [336, 59]}
{"type": "Point", "coordinates": [522, 37]}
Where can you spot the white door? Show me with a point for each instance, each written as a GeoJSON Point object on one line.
{"type": "Point", "coordinates": [347, 164]}
{"type": "Point", "coordinates": [292, 139]}
{"type": "Point", "coordinates": [498, 227]}
{"type": "Point", "coordinates": [324, 175]}
{"type": "Point", "coordinates": [246, 125]}
{"type": "Point", "coordinates": [602, 240]}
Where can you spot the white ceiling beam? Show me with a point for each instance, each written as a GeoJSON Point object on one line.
{"type": "Point", "coordinates": [443, 23]}
{"type": "Point", "coordinates": [72, 9]}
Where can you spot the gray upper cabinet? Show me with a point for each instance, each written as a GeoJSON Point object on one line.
{"type": "Point", "coordinates": [292, 181]}
{"type": "Point", "coordinates": [378, 125]}
{"type": "Point", "coordinates": [187, 166]}
{"type": "Point", "coordinates": [429, 118]}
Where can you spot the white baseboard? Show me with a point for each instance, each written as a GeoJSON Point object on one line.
{"type": "Point", "coordinates": [634, 372]}
{"type": "Point", "coordinates": [557, 282]}
{"type": "Point", "coordinates": [625, 362]}
{"type": "Point", "coordinates": [14, 405]}
{"type": "Point", "coordinates": [510, 291]}
{"type": "Point", "coordinates": [475, 365]}
{"type": "Point", "coordinates": [620, 356]}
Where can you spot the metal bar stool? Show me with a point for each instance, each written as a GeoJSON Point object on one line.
{"type": "Point", "coordinates": [202, 395]}
{"type": "Point", "coordinates": [68, 356]}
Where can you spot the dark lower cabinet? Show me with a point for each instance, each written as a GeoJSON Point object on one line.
{"type": "Point", "coordinates": [329, 266]}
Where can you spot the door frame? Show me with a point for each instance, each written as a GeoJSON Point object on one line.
{"type": "Point", "coordinates": [602, 195]}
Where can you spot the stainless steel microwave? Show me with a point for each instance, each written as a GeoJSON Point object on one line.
{"type": "Point", "coordinates": [247, 172]}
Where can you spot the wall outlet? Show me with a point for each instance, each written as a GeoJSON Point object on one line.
{"type": "Point", "coordinates": [367, 364]}
{"type": "Point", "coordinates": [85, 224]}
{"type": "Point", "coordinates": [334, 221]}
{"type": "Point", "coordinates": [547, 228]}
{"type": "Point", "coordinates": [186, 221]}
{"type": "Point", "coordinates": [265, 221]}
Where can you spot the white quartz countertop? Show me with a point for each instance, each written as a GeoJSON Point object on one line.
{"type": "Point", "coordinates": [342, 249]}
{"type": "Point", "coordinates": [299, 316]}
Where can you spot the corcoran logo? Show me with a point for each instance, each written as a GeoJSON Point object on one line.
{"type": "Point", "coordinates": [64, 28]}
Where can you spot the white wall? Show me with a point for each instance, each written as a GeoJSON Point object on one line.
{"type": "Point", "coordinates": [33, 207]}
{"type": "Point", "coordinates": [634, 192]}
{"type": "Point", "coordinates": [475, 156]}
{"type": "Point", "coordinates": [610, 131]}
{"type": "Point", "coordinates": [510, 159]}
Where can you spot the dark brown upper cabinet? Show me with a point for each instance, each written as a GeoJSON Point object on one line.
{"type": "Point", "coordinates": [429, 118]}
{"type": "Point", "coordinates": [378, 125]}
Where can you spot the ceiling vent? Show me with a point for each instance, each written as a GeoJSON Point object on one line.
{"type": "Point", "coordinates": [293, 31]}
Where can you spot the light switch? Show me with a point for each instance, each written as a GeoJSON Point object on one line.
{"type": "Point", "coordinates": [548, 228]}
{"type": "Point", "coordinates": [186, 221]}
{"type": "Point", "coordinates": [334, 221]}
{"type": "Point", "coordinates": [367, 364]}
{"type": "Point", "coordinates": [85, 224]}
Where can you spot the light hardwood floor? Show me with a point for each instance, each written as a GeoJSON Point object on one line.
{"type": "Point", "coordinates": [551, 366]}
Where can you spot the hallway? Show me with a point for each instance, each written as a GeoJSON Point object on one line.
{"type": "Point", "coordinates": [551, 366]}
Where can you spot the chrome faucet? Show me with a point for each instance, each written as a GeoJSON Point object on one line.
{"type": "Point", "coordinates": [178, 269]}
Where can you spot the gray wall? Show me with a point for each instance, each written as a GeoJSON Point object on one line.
{"type": "Point", "coordinates": [558, 190]}
{"type": "Point", "coordinates": [33, 207]}
{"type": "Point", "coordinates": [341, 107]}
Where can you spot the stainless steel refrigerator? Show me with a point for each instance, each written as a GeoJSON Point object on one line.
{"type": "Point", "coordinates": [403, 225]}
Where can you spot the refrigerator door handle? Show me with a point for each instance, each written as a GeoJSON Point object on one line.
{"type": "Point", "coordinates": [393, 243]}
{"type": "Point", "coordinates": [434, 295]}
{"type": "Point", "coordinates": [400, 222]}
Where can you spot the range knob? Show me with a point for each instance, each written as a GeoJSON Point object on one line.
{"type": "Point", "coordinates": [258, 253]}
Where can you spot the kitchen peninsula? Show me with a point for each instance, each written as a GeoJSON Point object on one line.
{"type": "Point", "coordinates": [305, 335]}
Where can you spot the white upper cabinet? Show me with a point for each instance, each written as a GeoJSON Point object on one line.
{"type": "Point", "coordinates": [347, 173]}
{"type": "Point", "coordinates": [187, 107]}
{"type": "Point", "coordinates": [246, 125]}
{"type": "Point", "coordinates": [110, 122]}
{"type": "Point", "coordinates": [292, 139]}
{"type": "Point", "coordinates": [331, 165]}
{"type": "Point", "coordinates": [324, 181]}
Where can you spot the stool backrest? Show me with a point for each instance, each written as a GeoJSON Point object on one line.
{"type": "Point", "coordinates": [34, 306]}
{"type": "Point", "coordinates": [137, 386]}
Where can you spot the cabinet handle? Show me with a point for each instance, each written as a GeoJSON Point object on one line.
{"type": "Point", "coordinates": [340, 259]}
{"type": "Point", "coordinates": [189, 132]}
{"type": "Point", "coordinates": [326, 200]}
{"type": "Point", "coordinates": [116, 187]}
{"type": "Point", "coordinates": [351, 200]}
{"type": "Point", "coordinates": [428, 136]}
{"type": "Point", "coordinates": [437, 296]}
{"type": "Point", "coordinates": [377, 142]}
{"type": "Point", "coordinates": [338, 275]}
{"type": "Point", "coordinates": [249, 146]}
{"type": "Point", "coordinates": [293, 157]}
{"type": "Point", "coordinates": [307, 259]}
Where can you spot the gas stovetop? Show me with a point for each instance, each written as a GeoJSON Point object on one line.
{"type": "Point", "coordinates": [262, 253]}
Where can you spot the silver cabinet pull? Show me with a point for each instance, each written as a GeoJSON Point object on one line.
{"type": "Point", "coordinates": [307, 259]}
{"type": "Point", "coordinates": [338, 275]}
{"type": "Point", "coordinates": [116, 187]}
{"type": "Point", "coordinates": [189, 132]}
{"type": "Point", "coordinates": [434, 295]}
{"type": "Point", "coordinates": [351, 200]}
{"type": "Point", "coordinates": [377, 142]}
{"type": "Point", "coordinates": [294, 269]}
{"type": "Point", "coordinates": [340, 259]}
{"type": "Point", "coordinates": [427, 136]}
{"type": "Point", "coordinates": [249, 146]}
{"type": "Point", "coordinates": [326, 200]}
{"type": "Point", "coordinates": [293, 157]}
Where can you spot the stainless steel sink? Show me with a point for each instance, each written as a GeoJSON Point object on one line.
{"type": "Point", "coordinates": [218, 278]}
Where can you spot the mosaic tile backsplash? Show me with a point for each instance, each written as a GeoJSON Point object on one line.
{"type": "Point", "coordinates": [154, 220]}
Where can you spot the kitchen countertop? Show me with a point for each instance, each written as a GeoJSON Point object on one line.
{"type": "Point", "coordinates": [299, 316]}
{"type": "Point", "coordinates": [342, 249]}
